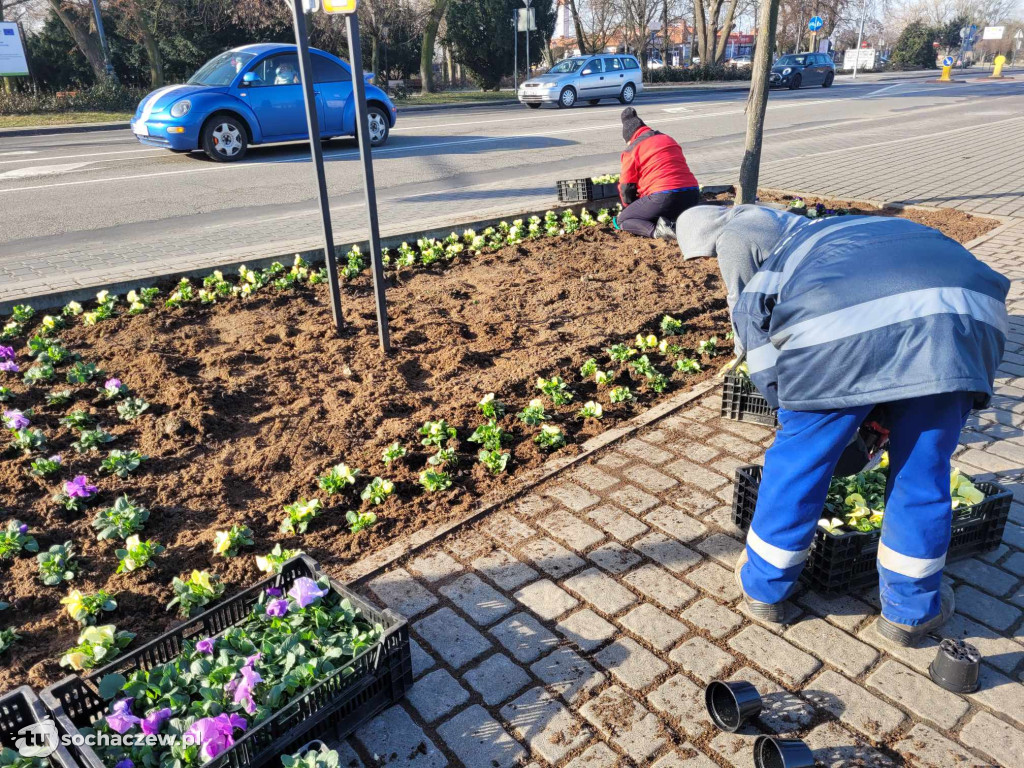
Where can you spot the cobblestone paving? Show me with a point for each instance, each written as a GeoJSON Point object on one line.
{"type": "Point", "coordinates": [577, 626]}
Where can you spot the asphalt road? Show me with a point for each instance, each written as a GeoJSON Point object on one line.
{"type": "Point", "coordinates": [85, 202]}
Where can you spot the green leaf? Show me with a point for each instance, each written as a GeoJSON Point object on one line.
{"type": "Point", "coordinates": [111, 685]}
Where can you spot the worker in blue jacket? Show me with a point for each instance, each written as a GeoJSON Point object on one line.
{"type": "Point", "coordinates": [834, 317]}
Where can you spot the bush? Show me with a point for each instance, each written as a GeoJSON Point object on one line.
{"type": "Point", "coordinates": [700, 73]}
{"type": "Point", "coordinates": [106, 97]}
{"type": "Point", "coordinates": [914, 47]}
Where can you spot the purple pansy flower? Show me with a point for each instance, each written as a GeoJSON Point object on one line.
{"type": "Point", "coordinates": [56, 458]}
{"type": "Point", "coordinates": [214, 735]}
{"type": "Point", "coordinates": [79, 488]}
{"type": "Point", "coordinates": [305, 591]}
{"type": "Point", "coordinates": [23, 528]}
{"type": "Point", "coordinates": [6, 353]}
{"type": "Point", "coordinates": [126, 763]}
{"type": "Point", "coordinates": [243, 688]}
{"type": "Point", "coordinates": [277, 608]}
{"type": "Point", "coordinates": [274, 591]}
{"type": "Point", "coordinates": [121, 718]}
{"type": "Point", "coordinates": [253, 659]}
{"type": "Point", "coordinates": [9, 366]}
{"type": "Point", "coordinates": [205, 646]}
{"type": "Point", "coordinates": [112, 385]}
{"type": "Point", "coordinates": [154, 720]}
{"type": "Point", "coordinates": [15, 419]}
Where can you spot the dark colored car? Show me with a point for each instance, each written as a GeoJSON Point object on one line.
{"type": "Point", "coordinates": [799, 69]}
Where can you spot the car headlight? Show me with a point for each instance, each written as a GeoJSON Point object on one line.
{"type": "Point", "coordinates": [549, 86]}
{"type": "Point", "coordinates": [181, 108]}
{"type": "Point", "coordinates": [787, 70]}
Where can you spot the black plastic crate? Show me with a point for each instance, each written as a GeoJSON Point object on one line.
{"type": "Point", "coordinates": [21, 708]}
{"type": "Point", "coordinates": [742, 402]}
{"type": "Point", "coordinates": [336, 706]}
{"type": "Point", "coordinates": [841, 562]}
{"type": "Point", "coordinates": [583, 190]}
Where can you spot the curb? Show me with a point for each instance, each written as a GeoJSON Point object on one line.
{"type": "Point", "coordinates": [377, 562]}
{"type": "Point", "coordinates": [45, 130]}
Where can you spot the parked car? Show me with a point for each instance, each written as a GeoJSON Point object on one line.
{"type": "Point", "coordinates": [740, 62]}
{"type": "Point", "coordinates": [585, 78]}
{"type": "Point", "coordinates": [798, 69]}
{"type": "Point", "coordinates": [253, 95]}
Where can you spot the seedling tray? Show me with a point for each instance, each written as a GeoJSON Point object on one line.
{"type": "Point", "coordinates": [21, 708]}
{"type": "Point", "coordinates": [337, 705]}
{"type": "Point", "coordinates": [582, 190]}
{"type": "Point", "coordinates": [742, 402]}
{"type": "Point", "coordinates": [842, 562]}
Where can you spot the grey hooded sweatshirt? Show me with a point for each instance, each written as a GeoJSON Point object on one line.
{"type": "Point", "coordinates": [741, 237]}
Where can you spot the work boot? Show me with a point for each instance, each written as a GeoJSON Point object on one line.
{"type": "Point", "coordinates": [908, 636]}
{"type": "Point", "coordinates": [664, 230]}
{"type": "Point", "coordinates": [771, 612]}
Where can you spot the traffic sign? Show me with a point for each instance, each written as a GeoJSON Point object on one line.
{"type": "Point", "coordinates": [815, 23]}
{"type": "Point", "coordinates": [340, 6]}
{"type": "Point", "coordinates": [993, 33]}
{"type": "Point", "coordinates": [1019, 35]}
{"type": "Point", "coordinates": [948, 61]}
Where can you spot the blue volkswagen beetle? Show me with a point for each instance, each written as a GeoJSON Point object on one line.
{"type": "Point", "coordinates": [253, 95]}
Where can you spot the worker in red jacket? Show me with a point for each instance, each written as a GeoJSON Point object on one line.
{"type": "Point", "coordinates": [656, 184]}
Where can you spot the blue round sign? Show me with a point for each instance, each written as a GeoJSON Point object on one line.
{"type": "Point", "coordinates": [948, 61]}
{"type": "Point", "coordinates": [815, 24]}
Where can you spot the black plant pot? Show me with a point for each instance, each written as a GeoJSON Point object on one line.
{"type": "Point", "coordinates": [770, 752]}
{"type": "Point", "coordinates": [730, 705]}
{"type": "Point", "coordinates": [956, 666]}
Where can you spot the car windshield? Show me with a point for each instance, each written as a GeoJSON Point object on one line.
{"type": "Point", "coordinates": [221, 70]}
{"type": "Point", "coordinates": [789, 61]}
{"type": "Point", "coordinates": [569, 65]}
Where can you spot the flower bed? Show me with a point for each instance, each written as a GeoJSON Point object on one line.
{"type": "Point", "coordinates": [295, 657]}
{"type": "Point", "coordinates": [187, 437]}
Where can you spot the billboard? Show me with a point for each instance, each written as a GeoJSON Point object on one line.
{"type": "Point", "coordinates": [864, 58]}
{"type": "Point", "coordinates": [12, 53]}
{"type": "Point", "coordinates": [993, 33]}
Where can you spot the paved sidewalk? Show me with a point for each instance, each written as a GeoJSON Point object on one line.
{"type": "Point", "coordinates": [578, 626]}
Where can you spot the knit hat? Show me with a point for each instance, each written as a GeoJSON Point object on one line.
{"type": "Point", "coordinates": [631, 123]}
{"type": "Point", "coordinates": [698, 229]}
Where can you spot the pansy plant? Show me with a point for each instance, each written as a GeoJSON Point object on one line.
{"type": "Point", "coordinates": [604, 378]}
{"type": "Point", "coordinates": [670, 326]}
{"type": "Point", "coordinates": [72, 309]}
{"type": "Point", "coordinates": [445, 457]}
{"type": "Point", "coordinates": [139, 301]}
{"type": "Point", "coordinates": [377, 491]}
{"type": "Point", "coordinates": [15, 539]}
{"type": "Point", "coordinates": [91, 440]}
{"type": "Point", "coordinates": [556, 389]}
{"type": "Point", "coordinates": [183, 293]}
{"type": "Point", "coordinates": [122, 463]}
{"type": "Point", "coordinates": [493, 460]}
{"type": "Point", "coordinates": [591, 410]}
{"type": "Point", "coordinates": [533, 414]}
{"type": "Point", "coordinates": [6, 395]}
{"type": "Point", "coordinates": [436, 433]}
{"type": "Point", "coordinates": [393, 452]}
{"type": "Point", "coordinates": [646, 343]}
{"type": "Point", "coordinates": [620, 395]}
{"type": "Point", "coordinates": [58, 397]}
{"type": "Point", "coordinates": [131, 408]}
{"type": "Point", "coordinates": [434, 481]}
{"type": "Point", "coordinates": [57, 564]}
{"type": "Point", "coordinates": [688, 365]}
{"type": "Point", "coordinates": [15, 420]}
{"type": "Point", "coordinates": [77, 494]}
{"type": "Point", "coordinates": [318, 757]}
{"type": "Point", "coordinates": [9, 637]}
{"type": "Point", "coordinates": [589, 368]}
{"type": "Point", "coordinates": [137, 554]}
{"type": "Point", "coordinates": [39, 373]}
{"type": "Point", "coordinates": [45, 466]}
{"type": "Point", "coordinates": [85, 609]}
{"type": "Point", "coordinates": [274, 560]}
{"type": "Point", "coordinates": [199, 588]}
{"type": "Point", "coordinates": [620, 353]}
{"type": "Point", "coordinates": [22, 313]}
{"type": "Point", "coordinates": [84, 373]}
{"type": "Point", "coordinates": [708, 347]}
{"type": "Point", "coordinates": [491, 407]}
{"type": "Point", "coordinates": [121, 520]}
{"type": "Point", "coordinates": [96, 646]}
{"type": "Point", "coordinates": [300, 515]}
{"type": "Point", "coordinates": [77, 420]}
{"type": "Point", "coordinates": [112, 389]}
{"type": "Point", "coordinates": [489, 436]}
{"type": "Point", "coordinates": [338, 478]}
{"type": "Point", "coordinates": [358, 521]}
{"type": "Point", "coordinates": [28, 440]}
{"type": "Point", "coordinates": [550, 437]}
{"type": "Point", "coordinates": [227, 543]}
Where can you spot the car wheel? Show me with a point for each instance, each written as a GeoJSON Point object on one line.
{"type": "Point", "coordinates": [533, 106]}
{"type": "Point", "coordinates": [794, 82]}
{"type": "Point", "coordinates": [828, 80]}
{"type": "Point", "coordinates": [379, 125]}
{"type": "Point", "coordinates": [566, 98]}
{"type": "Point", "coordinates": [628, 93]}
{"type": "Point", "coordinates": [225, 139]}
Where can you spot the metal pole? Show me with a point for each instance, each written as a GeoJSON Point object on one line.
{"type": "Point", "coordinates": [515, 49]}
{"type": "Point", "coordinates": [860, 34]}
{"type": "Point", "coordinates": [363, 129]}
{"type": "Point", "coordinates": [103, 39]}
{"type": "Point", "coordinates": [527, 38]}
{"type": "Point", "coordinates": [312, 124]}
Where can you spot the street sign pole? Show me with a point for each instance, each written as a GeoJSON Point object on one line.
{"type": "Point", "coordinates": [312, 124]}
{"type": "Point", "coordinates": [860, 35]}
{"type": "Point", "coordinates": [363, 132]}
{"type": "Point", "coordinates": [527, 12]}
{"type": "Point", "coordinates": [515, 49]}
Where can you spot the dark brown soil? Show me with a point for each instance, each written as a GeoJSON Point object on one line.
{"type": "Point", "coordinates": [251, 402]}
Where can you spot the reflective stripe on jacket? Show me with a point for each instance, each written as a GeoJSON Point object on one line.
{"type": "Point", "coordinates": [858, 310]}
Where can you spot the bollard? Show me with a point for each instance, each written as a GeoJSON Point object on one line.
{"type": "Point", "coordinates": [945, 74]}
{"type": "Point", "coordinates": [997, 71]}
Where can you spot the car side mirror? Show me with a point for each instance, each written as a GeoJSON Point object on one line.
{"type": "Point", "coordinates": [248, 79]}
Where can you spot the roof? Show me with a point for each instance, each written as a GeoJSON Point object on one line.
{"type": "Point", "coordinates": [261, 48]}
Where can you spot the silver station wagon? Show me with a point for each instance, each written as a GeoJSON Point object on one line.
{"type": "Point", "coordinates": [585, 78]}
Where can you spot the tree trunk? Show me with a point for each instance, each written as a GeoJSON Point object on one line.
{"type": "Point", "coordinates": [156, 61]}
{"type": "Point", "coordinates": [375, 59]}
{"type": "Point", "coordinates": [700, 28]}
{"type": "Point", "coordinates": [757, 101]}
{"type": "Point", "coordinates": [730, 13]}
{"type": "Point", "coordinates": [86, 43]}
{"type": "Point", "coordinates": [577, 22]}
{"type": "Point", "coordinates": [437, 9]}
{"type": "Point", "coordinates": [664, 33]}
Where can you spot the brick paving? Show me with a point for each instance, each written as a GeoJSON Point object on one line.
{"type": "Point", "coordinates": [577, 627]}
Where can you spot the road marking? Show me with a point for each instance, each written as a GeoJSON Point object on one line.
{"type": "Point", "coordinates": [19, 152]}
{"type": "Point", "coordinates": [42, 170]}
{"type": "Point", "coordinates": [73, 157]}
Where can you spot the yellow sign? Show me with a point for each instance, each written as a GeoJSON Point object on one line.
{"type": "Point", "coordinates": [340, 6]}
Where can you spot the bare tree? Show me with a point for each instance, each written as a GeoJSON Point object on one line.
{"type": "Point", "coordinates": [757, 101]}
{"type": "Point", "coordinates": [637, 19]}
{"type": "Point", "coordinates": [139, 21]}
{"type": "Point", "coordinates": [433, 21]}
{"type": "Point", "coordinates": [77, 19]}
{"type": "Point", "coordinates": [707, 14]}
